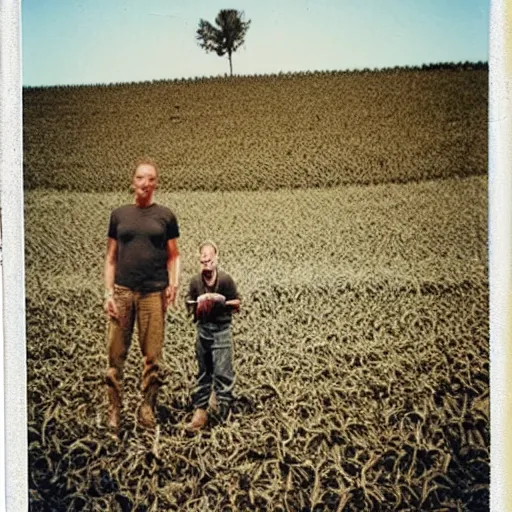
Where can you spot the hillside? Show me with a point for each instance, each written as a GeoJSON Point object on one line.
{"type": "Point", "coordinates": [257, 133]}
{"type": "Point", "coordinates": [352, 211]}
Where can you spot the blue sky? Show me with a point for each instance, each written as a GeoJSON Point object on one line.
{"type": "Point", "coordinates": [112, 41]}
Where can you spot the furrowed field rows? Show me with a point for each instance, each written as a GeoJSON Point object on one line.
{"type": "Point", "coordinates": [361, 355]}
{"type": "Point", "coordinates": [385, 236]}
{"type": "Point", "coordinates": [260, 133]}
{"type": "Point", "coordinates": [368, 401]}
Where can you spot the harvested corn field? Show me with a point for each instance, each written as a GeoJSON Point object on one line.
{"type": "Point", "coordinates": [361, 354]}
{"type": "Point", "coordinates": [351, 210]}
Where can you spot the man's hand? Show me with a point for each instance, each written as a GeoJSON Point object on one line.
{"type": "Point", "coordinates": [171, 297]}
{"type": "Point", "coordinates": [110, 307]}
{"type": "Point", "coordinates": [206, 301]}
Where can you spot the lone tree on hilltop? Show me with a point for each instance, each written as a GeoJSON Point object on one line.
{"type": "Point", "coordinates": [227, 37]}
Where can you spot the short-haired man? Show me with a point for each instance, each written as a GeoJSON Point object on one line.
{"type": "Point", "coordinates": [212, 298]}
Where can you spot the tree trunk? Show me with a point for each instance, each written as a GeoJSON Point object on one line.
{"type": "Point", "coordinates": [230, 65]}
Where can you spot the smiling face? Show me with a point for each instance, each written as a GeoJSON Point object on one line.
{"type": "Point", "coordinates": [144, 183]}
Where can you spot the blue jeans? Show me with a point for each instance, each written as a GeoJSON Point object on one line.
{"type": "Point", "coordinates": [214, 352]}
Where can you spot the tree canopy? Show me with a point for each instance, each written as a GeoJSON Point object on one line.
{"type": "Point", "coordinates": [226, 37]}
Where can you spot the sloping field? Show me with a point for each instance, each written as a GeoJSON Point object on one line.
{"type": "Point", "coordinates": [361, 349]}
{"type": "Point", "coordinates": [260, 133]}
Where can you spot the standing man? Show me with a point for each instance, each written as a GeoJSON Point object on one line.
{"type": "Point", "coordinates": [142, 268]}
{"type": "Point", "coordinates": [212, 298]}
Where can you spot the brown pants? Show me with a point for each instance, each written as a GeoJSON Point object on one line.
{"type": "Point", "coordinates": [147, 309]}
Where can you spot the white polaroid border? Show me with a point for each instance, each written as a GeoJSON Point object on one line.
{"type": "Point", "coordinates": [14, 455]}
{"type": "Point", "coordinates": [13, 417]}
{"type": "Point", "coordinates": [500, 245]}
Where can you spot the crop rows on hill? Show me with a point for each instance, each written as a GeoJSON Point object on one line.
{"type": "Point", "coordinates": [361, 355]}
{"type": "Point", "coordinates": [277, 132]}
{"type": "Point", "coordinates": [392, 234]}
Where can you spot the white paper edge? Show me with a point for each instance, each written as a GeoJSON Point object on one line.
{"type": "Point", "coordinates": [14, 481]}
{"type": "Point", "coordinates": [13, 418]}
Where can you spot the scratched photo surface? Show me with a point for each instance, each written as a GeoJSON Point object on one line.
{"type": "Point", "coordinates": [351, 209]}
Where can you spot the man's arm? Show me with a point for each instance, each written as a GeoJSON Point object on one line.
{"type": "Point", "coordinates": [191, 302]}
{"type": "Point", "coordinates": [232, 297]}
{"type": "Point", "coordinates": [173, 269]}
{"type": "Point", "coordinates": [109, 277]}
{"type": "Point", "coordinates": [234, 304]}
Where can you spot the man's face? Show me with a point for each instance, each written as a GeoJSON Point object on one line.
{"type": "Point", "coordinates": [144, 181]}
{"type": "Point", "coordinates": [208, 261]}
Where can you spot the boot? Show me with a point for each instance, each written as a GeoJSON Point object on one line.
{"type": "Point", "coordinates": [199, 420]}
{"type": "Point", "coordinates": [151, 382]}
{"type": "Point", "coordinates": [147, 408]}
{"type": "Point", "coordinates": [146, 416]}
{"type": "Point", "coordinates": [114, 399]}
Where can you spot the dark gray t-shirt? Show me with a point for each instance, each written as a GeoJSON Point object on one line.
{"type": "Point", "coordinates": [224, 285]}
{"type": "Point", "coordinates": [142, 235]}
